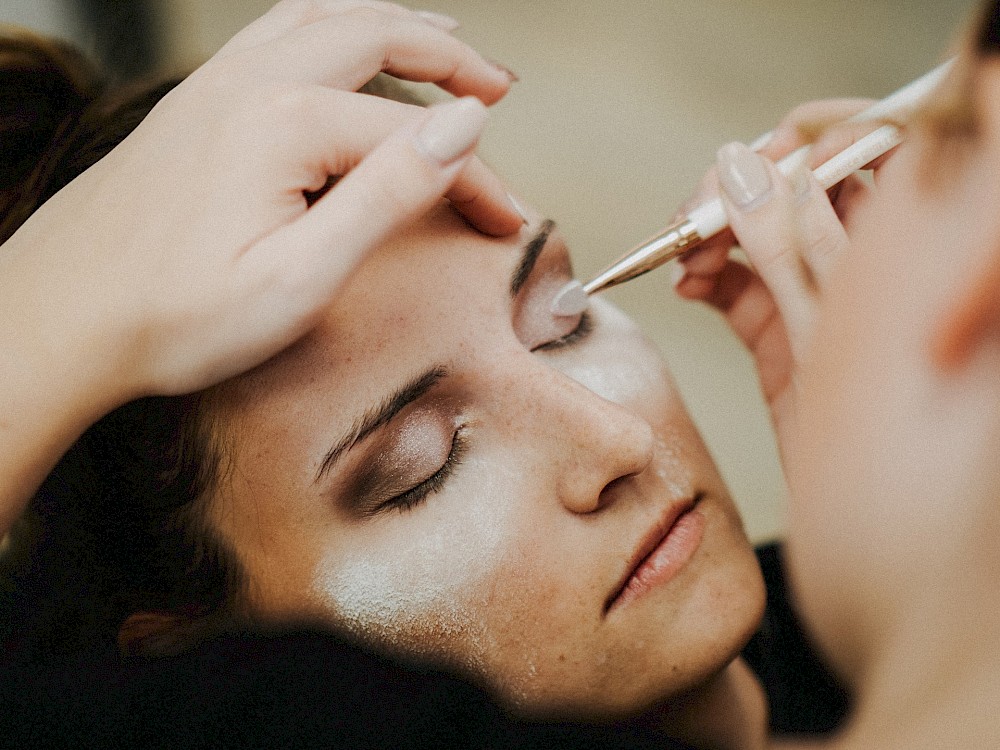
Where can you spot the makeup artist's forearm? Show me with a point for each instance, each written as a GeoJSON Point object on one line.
{"type": "Point", "coordinates": [55, 381]}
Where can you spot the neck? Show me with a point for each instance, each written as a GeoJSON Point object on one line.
{"type": "Point", "coordinates": [950, 703]}
{"type": "Point", "coordinates": [936, 683]}
{"type": "Point", "coordinates": [729, 712]}
{"type": "Point", "coordinates": [951, 707]}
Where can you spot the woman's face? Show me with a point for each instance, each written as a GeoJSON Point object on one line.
{"type": "Point", "coordinates": [445, 469]}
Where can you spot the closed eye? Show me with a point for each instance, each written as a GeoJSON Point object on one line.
{"type": "Point", "coordinates": [578, 334]}
{"type": "Point", "coordinates": [416, 495]}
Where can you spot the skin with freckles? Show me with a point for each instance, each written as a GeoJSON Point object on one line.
{"type": "Point", "coordinates": [487, 522]}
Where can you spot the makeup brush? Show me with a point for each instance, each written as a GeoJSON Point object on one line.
{"type": "Point", "coordinates": [710, 218]}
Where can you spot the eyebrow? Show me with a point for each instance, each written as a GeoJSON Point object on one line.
{"type": "Point", "coordinates": [381, 415]}
{"type": "Point", "coordinates": [530, 256]}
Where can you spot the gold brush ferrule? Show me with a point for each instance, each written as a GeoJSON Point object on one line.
{"type": "Point", "coordinates": [675, 240]}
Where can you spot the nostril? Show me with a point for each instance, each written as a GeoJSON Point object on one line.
{"type": "Point", "coordinates": [612, 488]}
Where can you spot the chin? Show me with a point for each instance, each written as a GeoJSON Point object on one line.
{"type": "Point", "coordinates": [706, 631]}
{"type": "Point", "coordinates": [669, 645]}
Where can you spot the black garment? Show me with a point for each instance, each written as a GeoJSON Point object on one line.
{"type": "Point", "coordinates": [805, 697]}
{"type": "Point", "coordinates": [305, 689]}
{"type": "Point", "coordinates": [295, 689]}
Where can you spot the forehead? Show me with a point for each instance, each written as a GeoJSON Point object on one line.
{"type": "Point", "coordinates": [434, 294]}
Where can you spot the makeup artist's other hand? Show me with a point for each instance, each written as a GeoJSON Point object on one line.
{"type": "Point", "coordinates": [188, 254]}
{"type": "Point", "coordinates": [792, 233]}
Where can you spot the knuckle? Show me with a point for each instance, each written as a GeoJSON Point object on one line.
{"type": "Point", "coordinates": [391, 193]}
{"type": "Point", "coordinates": [275, 118]}
{"type": "Point", "coordinates": [826, 242]}
{"type": "Point", "coordinates": [288, 104]}
{"type": "Point", "coordinates": [369, 16]}
{"type": "Point", "coordinates": [300, 12]}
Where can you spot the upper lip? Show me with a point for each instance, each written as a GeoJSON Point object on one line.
{"type": "Point", "coordinates": [649, 542]}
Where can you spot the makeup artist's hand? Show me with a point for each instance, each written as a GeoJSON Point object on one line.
{"type": "Point", "coordinates": [191, 242]}
{"type": "Point", "coordinates": [189, 254]}
{"type": "Point", "coordinates": [792, 233]}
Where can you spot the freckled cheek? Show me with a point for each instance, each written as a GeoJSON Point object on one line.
{"type": "Point", "coordinates": [424, 580]}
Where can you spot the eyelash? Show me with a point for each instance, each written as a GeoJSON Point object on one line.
{"type": "Point", "coordinates": [433, 483]}
{"type": "Point", "coordinates": [582, 330]}
{"type": "Point", "coordinates": [416, 495]}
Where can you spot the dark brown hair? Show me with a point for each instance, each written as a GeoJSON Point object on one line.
{"type": "Point", "coordinates": [117, 526]}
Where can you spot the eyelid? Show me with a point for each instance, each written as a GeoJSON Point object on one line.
{"type": "Point", "coordinates": [434, 483]}
{"type": "Point", "coordinates": [582, 330]}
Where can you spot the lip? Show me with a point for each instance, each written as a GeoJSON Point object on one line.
{"type": "Point", "coordinates": [662, 552]}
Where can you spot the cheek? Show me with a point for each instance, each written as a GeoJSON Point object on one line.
{"type": "Point", "coordinates": [619, 363]}
{"type": "Point", "coordinates": [418, 582]}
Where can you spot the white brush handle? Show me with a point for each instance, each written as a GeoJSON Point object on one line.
{"type": "Point", "coordinates": [853, 158]}
{"type": "Point", "coordinates": [710, 218]}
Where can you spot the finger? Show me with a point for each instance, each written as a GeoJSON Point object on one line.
{"type": "Point", "coordinates": [821, 232]}
{"type": "Point", "coordinates": [846, 197]}
{"type": "Point", "coordinates": [289, 15]}
{"type": "Point", "coordinates": [481, 197]}
{"type": "Point", "coordinates": [311, 120]}
{"type": "Point", "coordinates": [839, 137]}
{"type": "Point", "coordinates": [804, 124]}
{"type": "Point", "coordinates": [303, 263]}
{"type": "Point", "coordinates": [762, 209]}
{"type": "Point", "coordinates": [347, 50]}
{"type": "Point", "coordinates": [749, 309]}
{"type": "Point", "coordinates": [741, 296]}
{"type": "Point", "coordinates": [710, 256]}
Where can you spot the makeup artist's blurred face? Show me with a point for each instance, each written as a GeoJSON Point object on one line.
{"type": "Point", "coordinates": [446, 469]}
{"type": "Point", "coordinates": [892, 439]}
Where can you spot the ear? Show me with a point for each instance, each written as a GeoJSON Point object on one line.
{"type": "Point", "coordinates": [144, 632]}
{"type": "Point", "coordinates": [973, 316]}
{"type": "Point", "coordinates": [971, 319]}
{"type": "Point", "coordinates": [165, 632]}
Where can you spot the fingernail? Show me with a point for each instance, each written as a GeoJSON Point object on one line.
{"type": "Point", "coordinates": [452, 129]}
{"type": "Point", "coordinates": [439, 19]}
{"type": "Point", "coordinates": [744, 176]}
{"type": "Point", "coordinates": [518, 208]}
{"type": "Point", "coordinates": [762, 141]}
{"type": "Point", "coordinates": [514, 77]}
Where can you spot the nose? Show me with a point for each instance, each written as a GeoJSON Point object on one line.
{"type": "Point", "coordinates": [603, 444]}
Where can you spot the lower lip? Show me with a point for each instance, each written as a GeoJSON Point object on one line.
{"type": "Point", "coordinates": [669, 557]}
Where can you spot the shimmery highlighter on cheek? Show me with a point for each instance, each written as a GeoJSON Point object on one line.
{"type": "Point", "coordinates": [421, 589]}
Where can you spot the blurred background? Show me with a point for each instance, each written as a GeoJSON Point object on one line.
{"type": "Point", "coordinates": [619, 110]}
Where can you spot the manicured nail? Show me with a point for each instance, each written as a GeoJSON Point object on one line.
{"type": "Point", "coordinates": [439, 19]}
{"type": "Point", "coordinates": [452, 129]}
{"type": "Point", "coordinates": [514, 77]}
{"type": "Point", "coordinates": [518, 208]}
{"type": "Point", "coordinates": [570, 301]}
{"type": "Point", "coordinates": [744, 176]}
{"type": "Point", "coordinates": [762, 141]}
